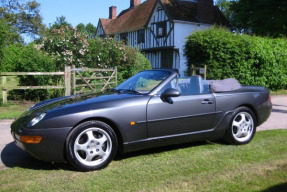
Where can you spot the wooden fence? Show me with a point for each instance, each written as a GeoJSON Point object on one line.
{"type": "Point", "coordinates": [68, 74]}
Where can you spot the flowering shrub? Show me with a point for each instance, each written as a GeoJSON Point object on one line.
{"type": "Point", "coordinates": [107, 53]}
{"type": "Point", "coordinates": [70, 46]}
{"type": "Point", "coordinates": [67, 45]}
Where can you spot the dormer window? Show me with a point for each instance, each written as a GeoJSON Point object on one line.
{"type": "Point", "coordinates": [161, 29]}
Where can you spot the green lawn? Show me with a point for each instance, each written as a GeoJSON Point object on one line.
{"type": "Point", "coordinates": [14, 109]}
{"type": "Point", "coordinates": [279, 92]}
{"type": "Point", "coordinates": [206, 166]}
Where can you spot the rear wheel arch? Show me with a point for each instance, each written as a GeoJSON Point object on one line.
{"type": "Point", "coordinates": [252, 109]}
{"type": "Point", "coordinates": [241, 131]}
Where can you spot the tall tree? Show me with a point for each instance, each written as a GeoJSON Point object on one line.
{"type": "Point", "coordinates": [3, 36]}
{"type": "Point", "coordinates": [224, 6]}
{"type": "Point", "coordinates": [260, 17]}
{"type": "Point", "coordinates": [23, 16]}
{"type": "Point", "coordinates": [89, 29]}
{"type": "Point", "coordinates": [60, 22]}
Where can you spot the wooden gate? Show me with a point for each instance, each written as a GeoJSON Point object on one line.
{"type": "Point", "coordinates": [93, 80]}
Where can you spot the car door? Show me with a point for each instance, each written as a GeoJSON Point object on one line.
{"type": "Point", "coordinates": [193, 111]}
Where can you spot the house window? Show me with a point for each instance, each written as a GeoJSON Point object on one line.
{"type": "Point", "coordinates": [161, 29]}
{"type": "Point", "coordinates": [167, 59]}
{"type": "Point", "coordinates": [124, 37]}
{"type": "Point", "coordinates": [141, 37]}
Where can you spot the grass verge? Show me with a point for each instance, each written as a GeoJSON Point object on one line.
{"type": "Point", "coordinates": [205, 166]}
{"type": "Point", "coordinates": [14, 109]}
{"type": "Point", "coordinates": [279, 92]}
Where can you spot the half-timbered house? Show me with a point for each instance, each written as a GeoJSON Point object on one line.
{"type": "Point", "coordinates": [159, 27]}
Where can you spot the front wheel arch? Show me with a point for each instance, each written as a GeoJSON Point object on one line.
{"type": "Point", "coordinates": [104, 120]}
{"type": "Point", "coordinates": [72, 154]}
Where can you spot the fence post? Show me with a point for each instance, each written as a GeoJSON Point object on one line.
{"type": "Point", "coordinates": [205, 71]}
{"type": "Point", "coordinates": [73, 80]}
{"type": "Point", "coordinates": [68, 80]}
{"type": "Point", "coordinates": [116, 75]}
{"type": "Point", "coordinates": [4, 90]}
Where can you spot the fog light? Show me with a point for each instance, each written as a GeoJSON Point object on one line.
{"type": "Point", "coordinates": [31, 139]}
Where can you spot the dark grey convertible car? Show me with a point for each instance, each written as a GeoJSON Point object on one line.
{"type": "Point", "coordinates": [153, 108]}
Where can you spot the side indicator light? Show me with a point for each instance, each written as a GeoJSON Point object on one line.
{"type": "Point", "coordinates": [133, 123]}
{"type": "Point", "coordinates": [31, 139]}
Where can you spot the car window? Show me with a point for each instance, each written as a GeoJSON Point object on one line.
{"type": "Point", "coordinates": [172, 84]}
{"type": "Point", "coordinates": [144, 82]}
{"type": "Point", "coordinates": [193, 85]}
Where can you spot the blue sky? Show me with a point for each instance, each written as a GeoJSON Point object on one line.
{"type": "Point", "coordinates": [79, 11]}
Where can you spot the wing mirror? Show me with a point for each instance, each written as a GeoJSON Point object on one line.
{"type": "Point", "coordinates": [170, 93]}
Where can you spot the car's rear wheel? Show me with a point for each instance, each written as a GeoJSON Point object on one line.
{"type": "Point", "coordinates": [242, 126]}
{"type": "Point", "coordinates": [91, 146]}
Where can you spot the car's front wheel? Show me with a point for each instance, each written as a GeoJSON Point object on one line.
{"type": "Point", "coordinates": [91, 146]}
{"type": "Point", "coordinates": [242, 126]}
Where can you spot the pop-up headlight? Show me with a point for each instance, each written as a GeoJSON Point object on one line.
{"type": "Point", "coordinates": [37, 119]}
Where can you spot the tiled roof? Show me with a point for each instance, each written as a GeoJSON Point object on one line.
{"type": "Point", "coordinates": [138, 17]}
{"type": "Point", "coordinates": [188, 11]}
{"type": "Point", "coordinates": [181, 10]}
{"type": "Point", "coordinates": [105, 23]}
{"type": "Point", "coordinates": [131, 19]}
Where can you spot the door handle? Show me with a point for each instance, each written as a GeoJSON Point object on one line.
{"type": "Point", "coordinates": [207, 101]}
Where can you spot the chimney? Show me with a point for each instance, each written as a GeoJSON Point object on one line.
{"type": "Point", "coordinates": [113, 12]}
{"type": "Point", "coordinates": [205, 11]}
{"type": "Point", "coordinates": [135, 3]}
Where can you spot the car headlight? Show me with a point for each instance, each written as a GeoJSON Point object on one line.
{"type": "Point", "coordinates": [37, 119]}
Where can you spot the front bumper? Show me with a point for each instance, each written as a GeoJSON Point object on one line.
{"type": "Point", "coordinates": [52, 146]}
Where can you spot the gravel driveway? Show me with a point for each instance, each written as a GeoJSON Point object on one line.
{"type": "Point", "coordinates": [12, 156]}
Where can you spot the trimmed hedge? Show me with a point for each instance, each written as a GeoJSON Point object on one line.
{"type": "Point", "coordinates": [252, 60]}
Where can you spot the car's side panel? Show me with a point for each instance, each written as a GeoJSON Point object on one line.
{"type": "Point", "coordinates": [120, 112]}
{"type": "Point", "coordinates": [183, 114]}
{"type": "Point", "coordinates": [57, 125]}
{"type": "Point", "coordinates": [256, 101]}
{"type": "Point", "coordinates": [226, 103]}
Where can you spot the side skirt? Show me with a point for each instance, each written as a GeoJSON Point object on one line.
{"type": "Point", "coordinates": [211, 134]}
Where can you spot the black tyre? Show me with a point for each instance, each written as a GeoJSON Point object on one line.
{"type": "Point", "coordinates": [91, 145]}
{"type": "Point", "coordinates": [242, 126]}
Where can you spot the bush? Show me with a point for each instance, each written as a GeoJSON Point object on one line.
{"type": "Point", "coordinates": [251, 60]}
{"type": "Point", "coordinates": [67, 45]}
{"type": "Point", "coordinates": [3, 36]}
{"type": "Point", "coordinates": [28, 59]}
{"type": "Point", "coordinates": [11, 57]}
{"type": "Point", "coordinates": [107, 53]}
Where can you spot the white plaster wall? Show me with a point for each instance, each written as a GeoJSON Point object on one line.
{"type": "Point", "coordinates": [181, 30]}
